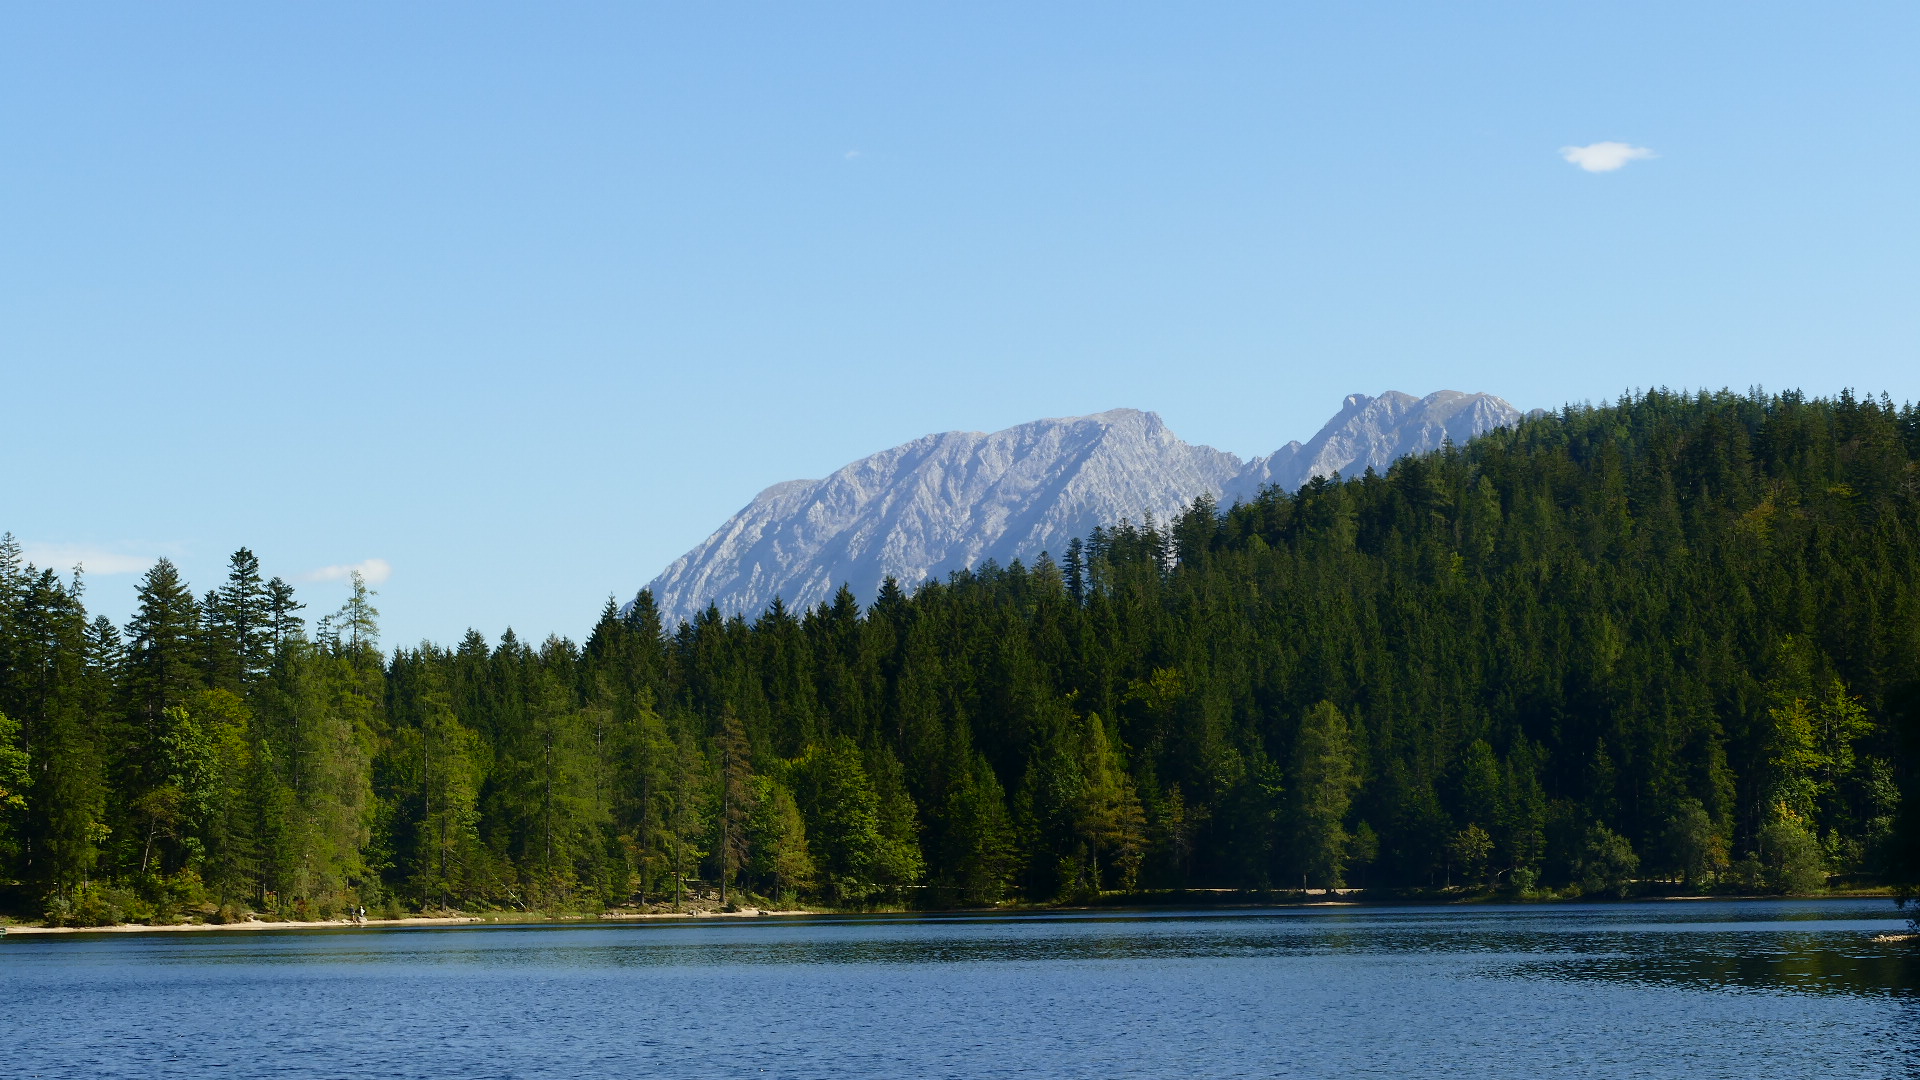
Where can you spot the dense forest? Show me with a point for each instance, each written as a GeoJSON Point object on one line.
{"type": "Point", "coordinates": [1667, 643]}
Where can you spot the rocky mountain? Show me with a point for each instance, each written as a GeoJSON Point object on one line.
{"type": "Point", "coordinates": [950, 501]}
{"type": "Point", "coordinates": [1374, 432]}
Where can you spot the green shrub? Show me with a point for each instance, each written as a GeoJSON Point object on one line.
{"type": "Point", "coordinates": [1608, 863]}
{"type": "Point", "coordinates": [1791, 858]}
{"type": "Point", "coordinates": [103, 905]}
{"type": "Point", "coordinates": [1525, 881]}
{"type": "Point", "coordinates": [1693, 848]}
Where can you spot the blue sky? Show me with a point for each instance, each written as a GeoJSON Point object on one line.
{"type": "Point", "coordinates": [523, 301]}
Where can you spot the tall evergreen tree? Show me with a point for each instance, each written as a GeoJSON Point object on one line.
{"type": "Point", "coordinates": [736, 793]}
{"type": "Point", "coordinates": [161, 660]}
{"type": "Point", "coordinates": [283, 624]}
{"type": "Point", "coordinates": [1323, 780]}
{"type": "Point", "coordinates": [239, 625]}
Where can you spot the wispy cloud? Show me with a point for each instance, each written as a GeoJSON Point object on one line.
{"type": "Point", "coordinates": [851, 154]}
{"type": "Point", "coordinates": [1604, 156]}
{"type": "Point", "coordinates": [92, 559]}
{"type": "Point", "coordinates": [374, 570]}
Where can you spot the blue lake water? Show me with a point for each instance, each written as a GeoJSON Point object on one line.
{"type": "Point", "coordinates": [1742, 989]}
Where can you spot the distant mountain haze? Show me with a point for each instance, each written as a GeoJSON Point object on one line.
{"type": "Point", "coordinates": [951, 501]}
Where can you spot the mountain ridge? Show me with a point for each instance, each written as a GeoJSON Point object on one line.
{"type": "Point", "coordinates": [950, 500]}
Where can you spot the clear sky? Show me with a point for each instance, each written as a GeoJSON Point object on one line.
{"type": "Point", "coordinates": [522, 301]}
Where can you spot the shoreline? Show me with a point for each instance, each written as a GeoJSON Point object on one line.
{"type": "Point", "coordinates": [400, 923]}
{"type": "Point", "coordinates": [1340, 898]}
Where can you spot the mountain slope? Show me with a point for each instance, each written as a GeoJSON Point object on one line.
{"type": "Point", "coordinates": [953, 500]}
{"type": "Point", "coordinates": [1373, 432]}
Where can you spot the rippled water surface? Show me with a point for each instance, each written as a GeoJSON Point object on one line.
{"type": "Point", "coordinates": [1693, 989]}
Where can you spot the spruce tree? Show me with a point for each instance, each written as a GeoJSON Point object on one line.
{"type": "Point", "coordinates": [283, 625]}
{"type": "Point", "coordinates": [736, 798]}
{"type": "Point", "coordinates": [239, 625]}
{"type": "Point", "coordinates": [1322, 779]}
{"type": "Point", "coordinates": [162, 653]}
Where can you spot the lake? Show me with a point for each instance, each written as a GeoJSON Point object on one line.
{"type": "Point", "coordinates": [1740, 989]}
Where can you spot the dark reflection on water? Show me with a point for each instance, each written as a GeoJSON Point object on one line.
{"type": "Point", "coordinates": [1794, 968]}
{"type": "Point", "coordinates": [1735, 989]}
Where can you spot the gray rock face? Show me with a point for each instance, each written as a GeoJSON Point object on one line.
{"type": "Point", "coordinates": [1373, 432]}
{"type": "Point", "coordinates": [951, 501]}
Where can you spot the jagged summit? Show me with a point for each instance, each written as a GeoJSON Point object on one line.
{"type": "Point", "coordinates": [953, 500]}
{"type": "Point", "coordinates": [1375, 431]}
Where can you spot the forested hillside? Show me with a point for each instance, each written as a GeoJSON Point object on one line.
{"type": "Point", "coordinates": [1671, 639]}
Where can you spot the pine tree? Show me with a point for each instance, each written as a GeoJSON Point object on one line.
{"type": "Point", "coordinates": [975, 852]}
{"type": "Point", "coordinates": [449, 853]}
{"type": "Point", "coordinates": [239, 625]}
{"type": "Point", "coordinates": [843, 826]}
{"type": "Point", "coordinates": [283, 625]}
{"type": "Point", "coordinates": [1323, 783]}
{"type": "Point", "coordinates": [15, 778]}
{"type": "Point", "coordinates": [161, 660]}
{"type": "Point", "coordinates": [687, 799]}
{"type": "Point", "coordinates": [49, 698]}
{"type": "Point", "coordinates": [777, 848]}
{"type": "Point", "coordinates": [355, 628]}
{"type": "Point", "coordinates": [736, 798]}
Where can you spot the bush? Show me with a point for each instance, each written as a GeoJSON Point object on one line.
{"type": "Point", "coordinates": [1791, 858]}
{"type": "Point", "coordinates": [1747, 875]}
{"type": "Point", "coordinates": [1693, 848]}
{"type": "Point", "coordinates": [99, 905]}
{"type": "Point", "coordinates": [1468, 851]}
{"type": "Point", "coordinates": [1525, 881]}
{"type": "Point", "coordinates": [170, 898]}
{"type": "Point", "coordinates": [1607, 864]}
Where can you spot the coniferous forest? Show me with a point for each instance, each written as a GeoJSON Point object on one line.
{"type": "Point", "coordinates": [1666, 644]}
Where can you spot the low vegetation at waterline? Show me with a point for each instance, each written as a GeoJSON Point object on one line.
{"type": "Point", "coordinates": [1674, 639]}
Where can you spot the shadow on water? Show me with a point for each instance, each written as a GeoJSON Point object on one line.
{"type": "Point", "coordinates": [1818, 965]}
{"type": "Point", "coordinates": [1834, 947]}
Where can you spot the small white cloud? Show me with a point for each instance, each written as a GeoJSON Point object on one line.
{"type": "Point", "coordinates": [374, 571]}
{"type": "Point", "coordinates": [94, 560]}
{"type": "Point", "coordinates": [851, 154]}
{"type": "Point", "coordinates": [1604, 156]}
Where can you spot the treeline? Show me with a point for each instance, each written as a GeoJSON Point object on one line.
{"type": "Point", "coordinates": [1673, 639]}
